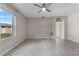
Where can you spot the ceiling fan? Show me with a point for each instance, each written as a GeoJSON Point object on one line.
{"type": "Point", "coordinates": [44, 7]}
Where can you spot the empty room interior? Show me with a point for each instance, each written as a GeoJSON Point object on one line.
{"type": "Point", "coordinates": [39, 29]}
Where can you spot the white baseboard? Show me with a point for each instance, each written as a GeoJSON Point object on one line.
{"type": "Point", "coordinates": [73, 41]}
{"type": "Point", "coordinates": [36, 37]}
{"type": "Point", "coordinates": [11, 47]}
{"type": "Point", "coordinates": [40, 38]}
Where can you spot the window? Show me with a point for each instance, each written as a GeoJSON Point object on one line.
{"type": "Point", "coordinates": [7, 24]}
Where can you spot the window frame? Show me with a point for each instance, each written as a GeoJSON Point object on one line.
{"type": "Point", "coordinates": [13, 23]}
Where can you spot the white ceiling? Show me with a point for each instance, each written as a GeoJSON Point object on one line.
{"type": "Point", "coordinates": [58, 9]}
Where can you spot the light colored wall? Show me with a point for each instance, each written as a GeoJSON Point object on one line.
{"type": "Point", "coordinates": [73, 27]}
{"type": "Point", "coordinates": [38, 28]}
{"type": "Point", "coordinates": [7, 44]}
{"type": "Point", "coordinates": [41, 28]}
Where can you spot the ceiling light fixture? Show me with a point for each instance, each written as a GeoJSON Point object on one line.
{"type": "Point", "coordinates": [43, 9]}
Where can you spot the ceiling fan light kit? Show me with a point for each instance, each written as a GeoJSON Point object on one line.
{"type": "Point", "coordinates": [43, 9]}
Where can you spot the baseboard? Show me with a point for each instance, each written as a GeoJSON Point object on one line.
{"type": "Point", "coordinates": [39, 38]}
{"type": "Point", "coordinates": [73, 41]}
{"type": "Point", "coordinates": [36, 37]}
{"type": "Point", "coordinates": [11, 47]}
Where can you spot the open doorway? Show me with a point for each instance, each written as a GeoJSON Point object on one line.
{"type": "Point", "coordinates": [59, 32]}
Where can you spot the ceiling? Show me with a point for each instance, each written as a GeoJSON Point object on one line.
{"type": "Point", "coordinates": [58, 9]}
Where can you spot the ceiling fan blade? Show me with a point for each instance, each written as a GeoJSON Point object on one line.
{"type": "Point", "coordinates": [49, 4]}
{"type": "Point", "coordinates": [48, 10]}
{"type": "Point", "coordinates": [37, 5]}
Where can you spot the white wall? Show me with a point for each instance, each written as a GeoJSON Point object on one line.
{"type": "Point", "coordinates": [38, 28]}
{"type": "Point", "coordinates": [41, 28]}
{"type": "Point", "coordinates": [5, 45]}
{"type": "Point", "coordinates": [73, 27]}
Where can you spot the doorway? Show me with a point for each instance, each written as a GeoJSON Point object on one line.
{"type": "Point", "coordinates": [59, 28]}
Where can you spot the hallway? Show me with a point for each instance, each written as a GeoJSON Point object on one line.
{"type": "Point", "coordinates": [45, 47]}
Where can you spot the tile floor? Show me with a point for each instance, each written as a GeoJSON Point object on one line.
{"type": "Point", "coordinates": [45, 47]}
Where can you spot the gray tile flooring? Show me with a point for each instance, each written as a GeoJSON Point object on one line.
{"type": "Point", "coordinates": [45, 47]}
